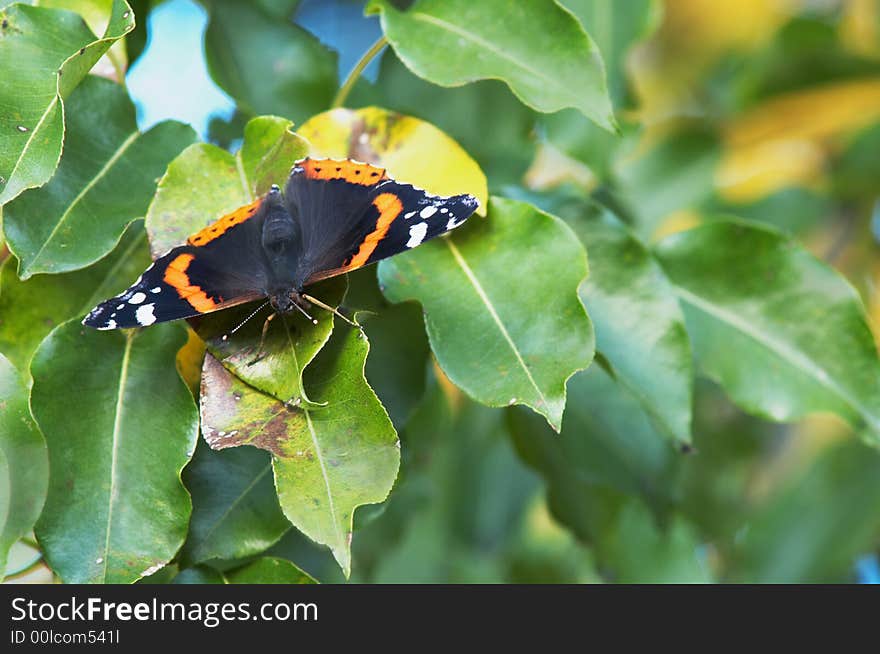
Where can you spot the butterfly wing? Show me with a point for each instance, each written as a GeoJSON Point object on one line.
{"type": "Point", "coordinates": [219, 267]}
{"type": "Point", "coordinates": [352, 214]}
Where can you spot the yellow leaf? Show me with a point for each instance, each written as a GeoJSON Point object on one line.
{"type": "Point", "coordinates": [691, 38]}
{"type": "Point", "coordinates": [412, 150]}
{"type": "Point", "coordinates": [677, 221]}
{"type": "Point", "coordinates": [785, 141]}
{"type": "Point", "coordinates": [552, 168]}
{"type": "Point", "coordinates": [189, 361]}
{"type": "Point", "coordinates": [874, 304]}
{"type": "Point", "coordinates": [860, 27]}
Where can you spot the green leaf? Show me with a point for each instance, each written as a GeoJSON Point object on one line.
{"type": "Point", "coordinates": [26, 322]}
{"type": "Point", "coordinates": [814, 528]}
{"type": "Point", "coordinates": [235, 508]}
{"type": "Point", "coordinates": [269, 570]}
{"type": "Point", "coordinates": [398, 143]}
{"type": "Point", "coordinates": [291, 343]}
{"type": "Point", "coordinates": [200, 574]}
{"type": "Point", "coordinates": [47, 52]}
{"type": "Point", "coordinates": [24, 465]}
{"type": "Point", "coordinates": [783, 333]}
{"type": "Point", "coordinates": [116, 509]}
{"type": "Point", "coordinates": [105, 180]}
{"type": "Point", "coordinates": [164, 575]}
{"type": "Point", "coordinates": [639, 326]}
{"type": "Point", "coordinates": [607, 449]}
{"type": "Point", "coordinates": [97, 14]}
{"type": "Point", "coordinates": [396, 370]}
{"type": "Point", "coordinates": [677, 173]}
{"type": "Point", "coordinates": [616, 27]}
{"type": "Point", "coordinates": [538, 48]}
{"type": "Point", "coordinates": [206, 182]}
{"type": "Point", "coordinates": [460, 498]}
{"type": "Point", "coordinates": [327, 461]}
{"type": "Point", "coordinates": [492, 306]}
{"type": "Point", "coordinates": [639, 551]}
{"type": "Point", "coordinates": [269, 65]}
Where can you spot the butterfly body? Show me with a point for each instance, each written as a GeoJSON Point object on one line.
{"type": "Point", "coordinates": [332, 217]}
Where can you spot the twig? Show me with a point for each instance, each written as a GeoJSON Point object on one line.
{"type": "Point", "coordinates": [362, 63]}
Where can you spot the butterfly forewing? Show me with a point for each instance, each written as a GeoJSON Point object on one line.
{"type": "Point", "coordinates": [348, 225]}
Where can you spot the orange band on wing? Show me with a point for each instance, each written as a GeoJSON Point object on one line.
{"type": "Point", "coordinates": [389, 206]}
{"type": "Point", "coordinates": [176, 276]}
{"type": "Point", "coordinates": [224, 224]}
{"type": "Point", "coordinates": [350, 171]}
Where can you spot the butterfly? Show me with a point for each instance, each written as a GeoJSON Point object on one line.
{"type": "Point", "coordinates": [334, 216]}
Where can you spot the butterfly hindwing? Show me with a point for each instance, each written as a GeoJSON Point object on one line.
{"type": "Point", "coordinates": [218, 268]}
{"type": "Point", "coordinates": [348, 224]}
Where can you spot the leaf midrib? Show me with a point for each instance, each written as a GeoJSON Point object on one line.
{"type": "Point", "coordinates": [30, 140]}
{"type": "Point", "coordinates": [481, 293]}
{"type": "Point", "coordinates": [339, 540]}
{"type": "Point", "coordinates": [793, 357]}
{"type": "Point", "coordinates": [117, 422]}
{"type": "Point", "coordinates": [243, 178]}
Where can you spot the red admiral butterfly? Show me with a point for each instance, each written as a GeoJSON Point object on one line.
{"type": "Point", "coordinates": [333, 217]}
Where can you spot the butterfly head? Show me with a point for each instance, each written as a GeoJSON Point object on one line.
{"type": "Point", "coordinates": [282, 301]}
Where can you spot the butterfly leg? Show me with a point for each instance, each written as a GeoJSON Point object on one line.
{"type": "Point", "coordinates": [260, 353]}
{"type": "Point", "coordinates": [327, 307]}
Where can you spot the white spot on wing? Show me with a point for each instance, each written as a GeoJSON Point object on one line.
{"type": "Point", "coordinates": [111, 324]}
{"type": "Point", "coordinates": [120, 307]}
{"type": "Point", "coordinates": [417, 234]}
{"type": "Point", "coordinates": [409, 215]}
{"type": "Point", "coordinates": [427, 212]}
{"type": "Point", "coordinates": [137, 298]}
{"type": "Point", "coordinates": [144, 315]}
{"type": "Point", "coordinates": [453, 223]}
{"type": "Point", "coordinates": [158, 289]}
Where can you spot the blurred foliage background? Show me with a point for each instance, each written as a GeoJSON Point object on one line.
{"type": "Point", "coordinates": [763, 109]}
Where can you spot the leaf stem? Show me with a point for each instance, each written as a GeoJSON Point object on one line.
{"type": "Point", "coordinates": [362, 63]}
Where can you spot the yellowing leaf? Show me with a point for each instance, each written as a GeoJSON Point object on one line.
{"type": "Point", "coordinates": [412, 150]}
{"type": "Point", "coordinates": [189, 360]}
{"type": "Point", "coordinates": [860, 27]}
{"type": "Point", "coordinates": [693, 35]}
{"type": "Point", "coordinates": [784, 141]}
{"type": "Point", "coordinates": [327, 461]}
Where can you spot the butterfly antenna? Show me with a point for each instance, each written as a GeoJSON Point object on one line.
{"type": "Point", "coordinates": [327, 307]}
{"type": "Point", "coordinates": [241, 324]}
{"type": "Point", "coordinates": [303, 312]}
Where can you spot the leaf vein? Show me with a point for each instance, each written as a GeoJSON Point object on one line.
{"type": "Point", "coordinates": [488, 45]}
{"type": "Point", "coordinates": [117, 423]}
{"type": "Point", "coordinates": [795, 358]}
{"type": "Point", "coordinates": [88, 187]}
{"type": "Point", "coordinates": [492, 312]}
